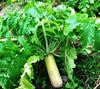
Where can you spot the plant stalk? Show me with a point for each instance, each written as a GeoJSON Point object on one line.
{"type": "Point", "coordinates": [46, 41]}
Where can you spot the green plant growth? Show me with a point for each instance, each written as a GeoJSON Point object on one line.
{"type": "Point", "coordinates": [42, 33]}
{"type": "Point", "coordinates": [90, 7]}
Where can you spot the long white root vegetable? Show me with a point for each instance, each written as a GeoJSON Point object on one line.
{"type": "Point", "coordinates": [53, 71]}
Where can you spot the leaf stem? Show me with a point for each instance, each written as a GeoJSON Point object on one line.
{"type": "Point", "coordinates": [46, 41]}
{"type": "Point", "coordinates": [56, 47]}
{"type": "Point", "coordinates": [67, 42]}
{"type": "Point", "coordinates": [46, 19]}
{"type": "Point", "coordinates": [66, 50]}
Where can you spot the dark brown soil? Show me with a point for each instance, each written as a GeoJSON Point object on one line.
{"type": "Point", "coordinates": [49, 86]}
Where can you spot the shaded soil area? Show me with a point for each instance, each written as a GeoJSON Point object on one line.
{"type": "Point", "coordinates": [49, 85]}
{"type": "Point", "coordinates": [42, 80]}
{"type": "Point", "coordinates": [7, 8]}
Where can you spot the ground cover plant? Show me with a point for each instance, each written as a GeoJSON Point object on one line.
{"type": "Point", "coordinates": [86, 6]}
{"type": "Point", "coordinates": [45, 34]}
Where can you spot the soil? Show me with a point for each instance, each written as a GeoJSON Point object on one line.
{"type": "Point", "coordinates": [64, 79]}
{"type": "Point", "coordinates": [49, 86]}
{"type": "Point", "coordinates": [7, 8]}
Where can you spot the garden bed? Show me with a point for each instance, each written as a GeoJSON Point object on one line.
{"type": "Point", "coordinates": [50, 45]}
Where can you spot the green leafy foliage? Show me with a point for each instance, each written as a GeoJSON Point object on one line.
{"type": "Point", "coordinates": [97, 41]}
{"type": "Point", "coordinates": [87, 66]}
{"type": "Point", "coordinates": [28, 72]}
{"type": "Point", "coordinates": [30, 9]}
{"type": "Point", "coordinates": [40, 31]}
{"type": "Point", "coordinates": [10, 64]}
{"type": "Point", "coordinates": [70, 56]}
{"type": "Point", "coordinates": [90, 7]}
{"type": "Point", "coordinates": [25, 84]}
{"type": "Point", "coordinates": [71, 85]}
{"type": "Point", "coordinates": [85, 27]}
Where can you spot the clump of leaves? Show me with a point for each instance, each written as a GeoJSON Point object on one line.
{"type": "Point", "coordinates": [35, 35]}
{"type": "Point", "coordinates": [91, 7]}
{"type": "Point", "coordinates": [86, 73]}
